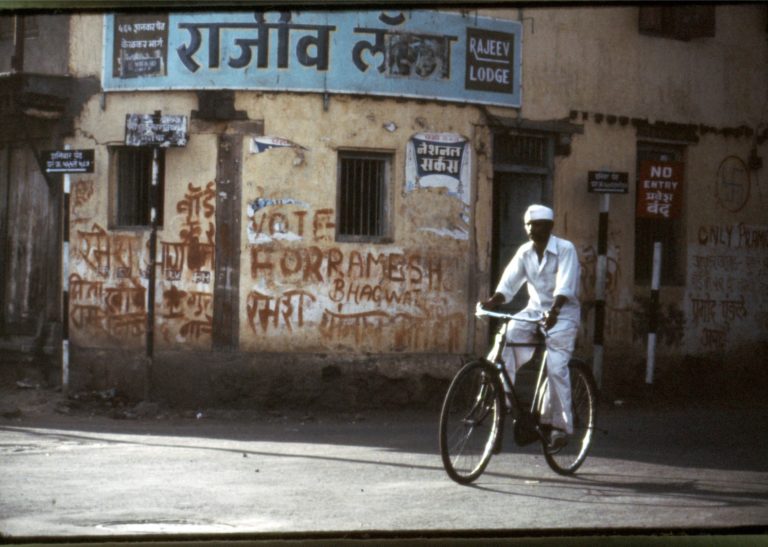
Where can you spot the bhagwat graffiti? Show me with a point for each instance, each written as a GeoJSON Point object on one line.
{"type": "Point", "coordinates": [354, 298]}
{"type": "Point", "coordinates": [351, 297]}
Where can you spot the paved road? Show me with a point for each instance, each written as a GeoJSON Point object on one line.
{"type": "Point", "coordinates": [95, 476]}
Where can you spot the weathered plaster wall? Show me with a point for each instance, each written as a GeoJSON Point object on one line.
{"type": "Point", "coordinates": [186, 249]}
{"type": "Point", "coordinates": [609, 149]}
{"type": "Point", "coordinates": [86, 37]}
{"type": "Point", "coordinates": [300, 290]}
{"type": "Point", "coordinates": [711, 82]}
{"type": "Point", "coordinates": [46, 40]}
{"type": "Point", "coordinates": [725, 298]}
{"type": "Point", "coordinates": [593, 58]}
{"type": "Point", "coordinates": [303, 291]}
{"type": "Point", "coordinates": [109, 267]}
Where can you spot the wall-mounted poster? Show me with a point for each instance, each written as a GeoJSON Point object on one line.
{"type": "Point", "coordinates": [423, 54]}
{"type": "Point", "coordinates": [440, 164]}
{"type": "Point", "coordinates": [438, 160]}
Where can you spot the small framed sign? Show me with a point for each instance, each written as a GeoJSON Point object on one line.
{"type": "Point", "coordinates": [68, 161]}
{"type": "Point", "coordinates": [153, 130]}
{"type": "Point", "coordinates": [608, 182]}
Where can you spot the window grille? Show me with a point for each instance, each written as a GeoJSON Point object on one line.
{"type": "Point", "coordinates": [362, 196]}
{"type": "Point", "coordinates": [8, 26]}
{"type": "Point", "coordinates": [133, 173]}
{"type": "Point", "coordinates": [521, 150]}
{"type": "Point", "coordinates": [680, 22]}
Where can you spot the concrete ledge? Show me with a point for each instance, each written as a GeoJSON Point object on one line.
{"type": "Point", "coordinates": [267, 380]}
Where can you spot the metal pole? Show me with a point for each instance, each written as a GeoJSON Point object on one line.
{"type": "Point", "coordinates": [17, 59]}
{"type": "Point", "coordinates": [65, 287]}
{"type": "Point", "coordinates": [653, 312]}
{"type": "Point", "coordinates": [601, 273]}
{"type": "Point", "coordinates": [152, 260]}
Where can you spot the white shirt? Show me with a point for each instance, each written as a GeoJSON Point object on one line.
{"type": "Point", "coordinates": [557, 274]}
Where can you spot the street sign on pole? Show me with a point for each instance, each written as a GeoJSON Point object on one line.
{"type": "Point", "coordinates": [68, 161]}
{"type": "Point", "coordinates": [604, 183]}
{"type": "Point", "coordinates": [608, 182]}
{"type": "Point", "coordinates": [154, 131]}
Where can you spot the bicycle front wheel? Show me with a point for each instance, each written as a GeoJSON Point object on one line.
{"type": "Point", "coordinates": [470, 421]}
{"type": "Point", "coordinates": [584, 399]}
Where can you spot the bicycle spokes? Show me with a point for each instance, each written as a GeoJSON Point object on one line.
{"type": "Point", "coordinates": [470, 421]}
{"type": "Point", "coordinates": [568, 458]}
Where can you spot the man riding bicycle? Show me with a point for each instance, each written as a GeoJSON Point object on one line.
{"type": "Point", "coordinates": [550, 267]}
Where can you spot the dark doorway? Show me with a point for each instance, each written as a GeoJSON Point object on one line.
{"type": "Point", "coordinates": [30, 255]}
{"type": "Point", "coordinates": [522, 177]}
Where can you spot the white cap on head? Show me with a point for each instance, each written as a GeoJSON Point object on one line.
{"type": "Point", "coordinates": [538, 212]}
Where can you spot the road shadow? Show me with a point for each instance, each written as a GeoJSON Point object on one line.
{"type": "Point", "coordinates": [679, 490]}
{"type": "Point", "coordinates": [734, 439]}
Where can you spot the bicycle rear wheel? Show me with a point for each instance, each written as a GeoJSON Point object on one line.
{"type": "Point", "coordinates": [584, 398]}
{"type": "Point", "coordinates": [470, 421]}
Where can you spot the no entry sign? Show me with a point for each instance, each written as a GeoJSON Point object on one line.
{"type": "Point", "coordinates": [660, 189]}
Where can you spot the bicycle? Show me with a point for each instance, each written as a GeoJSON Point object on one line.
{"type": "Point", "coordinates": [481, 395]}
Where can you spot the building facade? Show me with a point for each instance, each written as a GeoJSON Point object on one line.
{"type": "Point", "coordinates": [333, 191]}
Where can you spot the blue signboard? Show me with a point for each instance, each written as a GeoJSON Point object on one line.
{"type": "Point", "coordinates": [422, 54]}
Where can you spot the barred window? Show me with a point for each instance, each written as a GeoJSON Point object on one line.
{"type": "Point", "coordinates": [524, 150]}
{"type": "Point", "coordinates": [132, 168]}
{"type": "Point", "coordinates": [362, 207]}
{"type": "Point", "coordinates": [680, 22]}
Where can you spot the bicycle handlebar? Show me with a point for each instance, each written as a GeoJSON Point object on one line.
{"type": "Point", "coordinates": [482, 312]}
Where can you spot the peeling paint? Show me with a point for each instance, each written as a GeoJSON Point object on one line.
{"type": "Point", "coordinates": [456, 233]}
{"type": "Point", "coordinates": [263, 239]}
{"type": "Point", "coordinates": [260, 203]}
{"type": "Point", "coordinates": [262, 144]}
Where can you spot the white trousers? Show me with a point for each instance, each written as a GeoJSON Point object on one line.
{"type": "Point", "coordinates": [556, 401]}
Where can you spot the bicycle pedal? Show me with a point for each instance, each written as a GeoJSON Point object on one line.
{"type": "Point", "coordinates": [557, 444]}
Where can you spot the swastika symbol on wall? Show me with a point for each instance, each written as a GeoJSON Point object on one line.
{"type": "Point", "coordinates": [733, 184]}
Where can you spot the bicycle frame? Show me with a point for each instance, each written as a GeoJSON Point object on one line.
{"type": "Point", "coordinates": [509, 388]}
{"type": "Point", "coordinates": [481, 395]}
